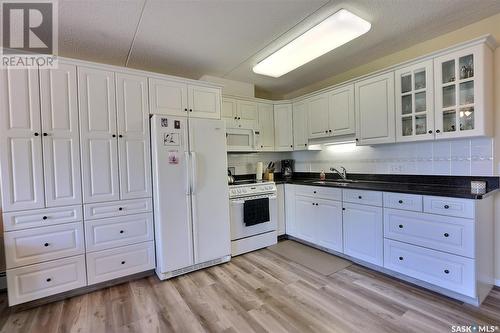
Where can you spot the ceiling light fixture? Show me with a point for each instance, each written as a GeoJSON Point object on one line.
{"type": "Point", "coordinates": [334, 31]}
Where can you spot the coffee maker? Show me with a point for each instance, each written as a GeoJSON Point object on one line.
{"type": "Point", "coordinates": [287, 168]}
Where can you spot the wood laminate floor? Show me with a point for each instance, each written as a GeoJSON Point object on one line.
{"type": "Point", "coordinates": [256, 292]}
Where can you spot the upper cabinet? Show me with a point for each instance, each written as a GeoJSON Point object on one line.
{"type": "Point", "coordinates": [463, 99]}
{"type": "Point", "coordinates": [181, 99]}
{"type": "Point", "coordinates": [374, 103]}
{"type": "Point", "coordinates": [341, 111]}
{"type": "Point", "coordinates": [318, 125]}
{"type": "Point", "coordinates": [415, 102]}
{"type": "Point", "coordinates": [283, 127]}
{"type": "Point", "coordinates": [239, 113]}
{"type": "Point", "coordinates": [300, 137]}
{"type": "Point", "coordinates": [266, 126]}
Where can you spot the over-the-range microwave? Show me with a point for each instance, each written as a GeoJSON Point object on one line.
{"type": "Point", "coordinates": [242, 139]}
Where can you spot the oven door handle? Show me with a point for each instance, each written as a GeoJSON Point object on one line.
{"type": "Point", "coordinates": [242, 200]}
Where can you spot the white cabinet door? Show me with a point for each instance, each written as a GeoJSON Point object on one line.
{"type": "Point", "coordinates": [61, 140]}
{"type": "Point", "coordinates": [248, 112]}
{"type": "Point", "coordinates": [363, 233]}
{"type": "Point", "coordinates": [266, 126]}
{"type": "Point", "coordinates": [305, 211]}
{"type": "Point", "coordinates": [341, 111]}
{"type": "Point", "coordinates": [20, 140]}
{"type": "Point", "coordinates": [168, 97]}
{"type": "Point", "coordinates": [415, 102]}
{"type": "Point", "coordinates": [328, 224]}
{"type": "Point", "coordinates": [229, 113]}
{"type": "Point", "coordinates": [318, 116]}
{"type": "Point", "coordinates": [281, 209]}
{"type": "Point", "coordinates": [133, 136]}
{"type": "Point", "coordinates": [300, 136]}
{"type": "Point", "coordinates": [375, 122]}
{"type": "Point", "coordinates": [96, 92]}
{"type": "Point", "coordinates": [204, 102]}
{"type": "Point", "coordinates": [283, 130]}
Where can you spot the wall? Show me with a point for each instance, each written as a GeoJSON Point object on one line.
{"type": "Point", "coordinates": [448, 157]}
{"type": "Point", "coordinates": [231, 87]}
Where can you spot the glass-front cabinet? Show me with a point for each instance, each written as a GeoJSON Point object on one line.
{"type": "Point", "coordinates": [414, 102]}
{"type": "Point", "coordinates": [463, 98]}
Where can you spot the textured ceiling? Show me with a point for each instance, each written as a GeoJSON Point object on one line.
{"type": "Point", "coordinates": [226, 38]}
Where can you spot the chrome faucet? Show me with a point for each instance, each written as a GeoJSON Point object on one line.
{"type": "Point", "coordinates": [342, 174]}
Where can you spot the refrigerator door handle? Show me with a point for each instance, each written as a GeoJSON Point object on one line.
{"type": "Point", "coordinates": [188, 184]}
{"type": "Point", "coordinates": [194, 170]}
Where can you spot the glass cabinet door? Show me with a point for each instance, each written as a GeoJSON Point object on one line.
{"type": "Point", "coordinates": [455, 94]}
{"type": "Point", "coordinates": [414, 109]}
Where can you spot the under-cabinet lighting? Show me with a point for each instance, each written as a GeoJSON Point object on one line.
{"type": "Point", "coordinates": [341, 147]}
{"type": "Point", "coordinates": [334, 31]}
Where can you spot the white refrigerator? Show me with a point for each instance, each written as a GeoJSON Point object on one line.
{"type": "Point", "coordinates": [190, 194]}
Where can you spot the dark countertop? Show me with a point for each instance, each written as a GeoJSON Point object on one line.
{"type": "Point", "coordinates": [445, 186]}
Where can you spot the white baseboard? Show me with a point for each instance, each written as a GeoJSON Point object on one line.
{"type": "Point", "coordinates": [497, 283]}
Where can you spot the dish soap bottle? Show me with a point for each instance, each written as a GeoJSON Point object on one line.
{"type": "Point", "coordinates": [322, 175]}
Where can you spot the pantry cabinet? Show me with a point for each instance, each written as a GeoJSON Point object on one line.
{"type": "Point", "coordinates": [283, 127]}
{"type": "Point", "coordinates": [177, 98]}
{"type": "Point", "coordinates": [98, 135]}
{"type": "Point", "coordinates": [300, 137]}
{"type": "Point", "coordinates": [266, 127]}
{"type": "Point", "coordinates": [415, 102]}
{"type": "Point", "coordinates": [375, 115]}
{"type": "Point", "coordinates": [463, 99]}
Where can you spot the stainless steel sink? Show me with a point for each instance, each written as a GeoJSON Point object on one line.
{"type": "Point", "coordinates": [334, 182]}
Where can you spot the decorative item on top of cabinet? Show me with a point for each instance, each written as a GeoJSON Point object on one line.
{"type": "Point", "coordinates": [178, 98]}
{"type": "Point", "coordinates": [300, 137]}
{"type": "Point", "coordinates": [464, 95]}
{"type": "Point", "coordinates": [45, 118]}
{"type": "Point", "coordinates": [283, 127]}
{"type": "Point", "coordinates": [415, 102]}
{"type": "Point", "coordinates": [375, 110]}
{"type": "Point", "coordinates": [266, 127]}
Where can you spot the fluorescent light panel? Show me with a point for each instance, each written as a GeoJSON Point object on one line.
{"type": "Point", "coordinates": [336, 30]}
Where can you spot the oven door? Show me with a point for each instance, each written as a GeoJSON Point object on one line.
{"type": "Point", "coordinates": [239, 139]}
{"type": "Point", "coordinates": [240, 229]}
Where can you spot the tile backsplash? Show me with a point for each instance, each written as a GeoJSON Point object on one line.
{"type": "Point", "coordinates": [466, 157]}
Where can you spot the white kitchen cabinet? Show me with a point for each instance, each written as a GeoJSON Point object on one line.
{"type": "Point", "coordinates": [304, 218]}
{"type": "Point", "coordinates": [283, 127]}
{"type": "Point", "coordinates": [300, 135]}
{"type": "Point", "coordinates": [133, 136]}
{"type": "Point", "coordinates": [181, 99]}
{"type": "Point", "coordinates": [464, 95]}
{"type": "Point", "coordinates": [266, 126]}
{"type": "Point", "coordinates": [168, 97]}
{"type": "Point", "coordinates": [281, 209]}
{"type": "Point", "coordinates": [341, 117]}
{"type": "Point", "coordinates": [240, 113]}
{"type": "Point", "coordinates": [61, 140]}
{"type": "Point", "coordinates": [415, 102]}
{"type": "Point", "coordinates": [318, 124]}
{"type": "Point", "coordinates": [375, 116]}
{"type": "Point", "coordinates": [20, 140]}
{"type": "Point", "coordinates": [98, 135]}
{"type": "Point", "coordinates": [363, 233]}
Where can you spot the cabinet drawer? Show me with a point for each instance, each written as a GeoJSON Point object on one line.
{"type": "Point", "coordinates": [403, 201]}
{"type": "Point", "coordinates": [441, 269]}
{"type": "Point", "coordinates": [443, 233]}
{"type": "Point", "coordinates": [118, 231]}
{"type": "Point", "coordinates": [111, 264]}
{"type": "Point", "coordinates": [117, 208]}
{"type": "Point", "coordinates": [41, 217]}
{"type": "Point", "coordinates": [330, 193]}
{"type": "Point", "coordinates": [30, 246]}
{"type": "Point", "coordinates": [41, 280]}
{"type": "Point", "coordinates": [372, 198]}
{"type": "Point", "coordinates": [449, 206]}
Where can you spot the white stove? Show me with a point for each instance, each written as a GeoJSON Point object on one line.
{"type": "Point", "coordinates": [253, 215]}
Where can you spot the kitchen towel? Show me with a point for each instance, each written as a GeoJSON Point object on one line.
{"type": "Point", "coordinates": [256, 211]}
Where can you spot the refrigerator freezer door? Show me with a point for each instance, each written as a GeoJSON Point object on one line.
{"type": "Point", "coordinates": [210, 196]}
{"type": "Point", "coordinates": [171, 193]}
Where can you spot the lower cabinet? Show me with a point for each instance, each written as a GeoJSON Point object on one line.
{"type": "Point", "coordinates": [363, 233]}
{"type": "Point", "coordinates": [319, 221]}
